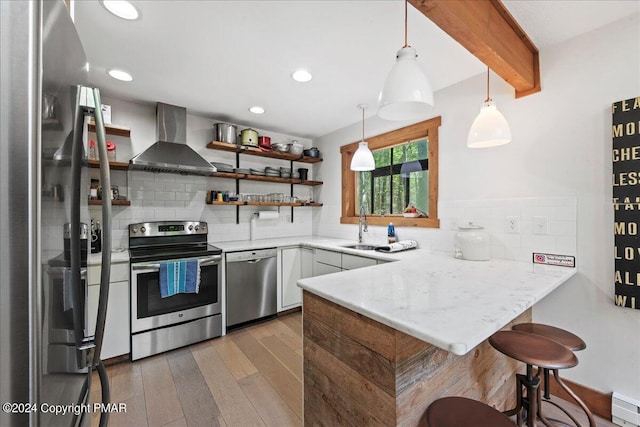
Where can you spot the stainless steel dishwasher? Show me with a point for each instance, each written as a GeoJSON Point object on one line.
{"type": "Point", "coordinates": [251, 285]}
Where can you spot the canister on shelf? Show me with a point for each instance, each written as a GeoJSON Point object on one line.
{"type": "Point", "coordinates": [111, 151]}
{"type": "Point", "coordinates": [93, 155]}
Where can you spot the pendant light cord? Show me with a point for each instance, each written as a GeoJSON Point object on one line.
{"type": "Point", "coordinates": [488, 97]}
{"type": "Point", "coordinates": [362, 123]}
{"type": "Point", "coordinates": [406, 2]}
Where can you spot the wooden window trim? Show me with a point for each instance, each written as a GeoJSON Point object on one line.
{"type": "Point", "coordinates": [427, 128]}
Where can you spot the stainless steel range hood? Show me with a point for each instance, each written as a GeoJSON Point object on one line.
{"type": "Point", "coordinates": [171, 153]}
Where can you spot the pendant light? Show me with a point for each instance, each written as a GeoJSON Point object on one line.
{"type": "Point", "coordinates": [407, 93]}
{"type": "Point", "coordinates": [362, 159]}
{"type": "Point", "coordinates": [490, 128]}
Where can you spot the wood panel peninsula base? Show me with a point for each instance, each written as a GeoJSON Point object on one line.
{"type": "Point", "coordinates": [359, 372]}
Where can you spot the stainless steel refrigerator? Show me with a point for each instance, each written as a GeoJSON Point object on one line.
{"type": "Point", "coordinates": [47, 354]}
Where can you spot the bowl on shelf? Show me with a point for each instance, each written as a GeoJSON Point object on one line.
{"type": "Point", "coordinates": [312, 152]}
{"type": "Point", "coordinates": [296, 148]}
{"type": "Point", "coordinates": [411, 214]}
{"type": "Point", "coordinates": [281, 147]}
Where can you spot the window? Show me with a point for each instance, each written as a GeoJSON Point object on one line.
{"type": "Point", "coordinates": [406, 174]}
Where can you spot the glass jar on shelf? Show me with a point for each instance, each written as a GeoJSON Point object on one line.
{"type": "Point", "coordinates": [93, 150]}
{"type": "Point", "coordinates": [111, 151]}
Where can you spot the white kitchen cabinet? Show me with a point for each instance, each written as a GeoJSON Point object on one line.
{"type": "Point", "coordinates": [296, 264]}
{"type": "Point", "coordinates": [328, 257]}
{"type": "Point", "coordinates": [320, 269]}
{"type": "Point", "coordinates": [306, 261]}
{"type": "Point", "coordinates": [326, 262]}
{"type": "Point", "coordinates": [117, 329]}
{"type": "Point", "coordinates": [351, 262]}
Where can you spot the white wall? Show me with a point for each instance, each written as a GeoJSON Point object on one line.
{"type": "Point", "coordinates": [164, 196]}
{"type": "Point", "coordinates": [560, 151]}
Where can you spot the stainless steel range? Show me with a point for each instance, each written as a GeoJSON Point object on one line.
{"type": "Point", "coordinates": [159, 324]}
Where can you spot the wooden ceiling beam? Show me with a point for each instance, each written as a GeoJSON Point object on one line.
{"type": "Point", "coordinates": [487, 30]}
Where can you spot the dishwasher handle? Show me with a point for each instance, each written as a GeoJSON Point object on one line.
{"type": "Point", "coordinates": [252, 256]}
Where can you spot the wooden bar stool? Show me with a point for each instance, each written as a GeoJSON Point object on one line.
{"type": "Point", "coordinates": [460, 411]}
{"type": "Point", "coordinates": [533, 350]}
{"type": "Point", "coordinates": [573, 343]}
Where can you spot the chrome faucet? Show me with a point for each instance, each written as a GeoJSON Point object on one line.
{"type": "Point", "coordinates": [362, 220]}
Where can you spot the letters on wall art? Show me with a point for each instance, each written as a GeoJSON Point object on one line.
{"type": "Point", "coordinates": [626, 201]}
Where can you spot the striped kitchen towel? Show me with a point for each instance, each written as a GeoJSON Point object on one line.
{"type": "Point", "coordinates": [177, 277]}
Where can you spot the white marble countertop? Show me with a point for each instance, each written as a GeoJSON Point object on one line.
{"type": "Point", "coordinates": [116, 257]}
{"type": "Point", "coordinates": [450, 303]}
{"type": "Point", "coordinates": [320, 242]}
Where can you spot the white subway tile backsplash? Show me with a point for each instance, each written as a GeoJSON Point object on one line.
{"type": "Point", "coordinates": [562, 228]}
{"type": "Point", "coordinates": [174, 204]}
{"type": "Point", "coordinates": [175, 186]}
{"type": "Point", "coordinates": [185, 196]}
{"type": "Point", "coordinates": [165, 195]}
{"type": "Point", "coordinates": [561, 213]}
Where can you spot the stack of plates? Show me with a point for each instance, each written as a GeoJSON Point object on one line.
{"type": "Point", "coordinates": [223, 167]}
{"type": "Point", "coordinates": [256, 172]}
{"type": "Point", "coordinates": [244, 171]}
{"type": "Point", "coordinates": [269, 171]}
{"type": "Point", "coordinates": [285, 172]}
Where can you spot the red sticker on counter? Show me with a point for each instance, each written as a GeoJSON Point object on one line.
{"type": "Point", "coordinates": [552, 259]}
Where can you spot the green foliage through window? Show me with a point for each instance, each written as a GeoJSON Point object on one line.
{"type": "Point", "coordinates": [401, 178]}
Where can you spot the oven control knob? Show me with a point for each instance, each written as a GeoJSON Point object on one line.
{"type": "Point", "coordinates": [190, 227]}
{"type": "Point", "coordinates": [203, 226]}
{"type": "Point", "coordinates": [143, 229]}
{"type": "Point", "coordinates": [134, 230]}
{"type": "Point", "coordinates": [197, 228]}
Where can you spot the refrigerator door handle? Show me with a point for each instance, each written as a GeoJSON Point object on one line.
{"type": "Point", "coordinates": [78, 292]}
{"type": "Point", "coordinates": [105, 178]}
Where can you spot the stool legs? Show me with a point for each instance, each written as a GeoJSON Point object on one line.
{"type": "Point", "coordinates": [530, 402]}
{"type": "Point", "coordinates": [592, 421]}
{"type": "Point", "coordinates": [545, 396]}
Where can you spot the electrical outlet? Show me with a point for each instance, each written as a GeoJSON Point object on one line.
{"type": "Point", "coordinates": [288, 218]}
{"type": "Point", "coordinates": [540, 225]}
{"type": "Point", "coordinates": [513, 224]}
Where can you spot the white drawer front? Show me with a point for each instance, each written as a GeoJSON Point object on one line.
{"type": "Point", "coordinates": [329, 257]}
{"type": "Point", "coordinates": [351, 262]}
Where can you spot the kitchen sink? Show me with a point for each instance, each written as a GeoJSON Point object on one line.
{"type": "Point", "coordinates": [361, 247]}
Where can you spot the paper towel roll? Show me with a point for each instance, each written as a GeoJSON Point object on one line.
{"type": "Point", "coordinates": [268, 214]}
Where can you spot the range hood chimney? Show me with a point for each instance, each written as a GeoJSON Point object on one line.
{"type": "Point", "coordinates": [171, 153]}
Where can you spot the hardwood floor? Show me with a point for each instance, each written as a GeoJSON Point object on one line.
{"type": "Point", "coordinates": [250, 377]}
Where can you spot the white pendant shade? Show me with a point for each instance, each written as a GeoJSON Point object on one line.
{"type": "Point", "coordinates": [407, 93]}
{"type": "Point", "coordinates": [362, 159]}
{"type": "Point", "coordinates": [489, 129]}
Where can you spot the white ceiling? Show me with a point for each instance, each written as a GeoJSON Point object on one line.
{"type": "Point", "coordinates": [218, 58]}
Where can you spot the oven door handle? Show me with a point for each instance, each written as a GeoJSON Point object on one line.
{"type": "Point", "coordinates": [151, 267]}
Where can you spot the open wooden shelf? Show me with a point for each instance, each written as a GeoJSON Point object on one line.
{"type": "Point", "coordinates": [122, 166]}
{"type": "Point", "coordinates": [233, 148]}
{"type": "Point", "coordinates": [281, 180]}
{"type": "Point", "coordinates": [294, 205]}
{"type": "Point", "coordinates": [111, 129]}
{"type": "Point", "coordinates": [119, 202]}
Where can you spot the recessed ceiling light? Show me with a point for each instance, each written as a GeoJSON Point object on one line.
{"type": "Point", "coordinates": [301, 76]}
{"type": "Point", "coordinates": [121, 8]}
{"type": "Point", "coordinates": [256, 109]}
{"type": "Point", "coordinates": [120, 75]}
